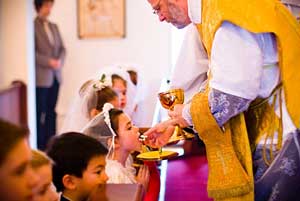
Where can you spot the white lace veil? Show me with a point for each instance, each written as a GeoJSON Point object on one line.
{"type": "Point", "coordinates": [78, 115]}
{"type": "Point", "coordinates": [100, 128]}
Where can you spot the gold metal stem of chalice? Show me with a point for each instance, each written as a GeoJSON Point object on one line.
{"type": "Point", "coordinates": [168, 100]}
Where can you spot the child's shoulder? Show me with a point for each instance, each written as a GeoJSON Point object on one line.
{"type": "Point", "coordinates": [117, 173]}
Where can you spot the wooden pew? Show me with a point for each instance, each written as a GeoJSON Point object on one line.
{"type": "Point", "coordinates": [13, 103]}
{"type": "Point", "coordinates": [118, 192]}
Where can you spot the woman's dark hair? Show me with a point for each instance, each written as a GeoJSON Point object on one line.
{"type": "Point", "coordinates": [71, 153]}
{"type": "Point", "coordinates": [10, 135]}
{"type": "Point", "coordinates": [105, 95]}
{"type": "Point", "coordinates": [114, 118]}
{"type": "Point", "coordinates": [39, 3]}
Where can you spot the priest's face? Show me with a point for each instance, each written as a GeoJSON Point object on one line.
{"type": "Point", "coordinates": [171, 11]}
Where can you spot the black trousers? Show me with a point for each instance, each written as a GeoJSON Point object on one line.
{"type": "Point", "coordinates": [46, 99]}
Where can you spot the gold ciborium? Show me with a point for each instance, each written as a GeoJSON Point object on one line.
{"type": "Point", "coordinates": [168, 100]}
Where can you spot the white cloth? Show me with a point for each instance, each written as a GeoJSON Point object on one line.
{"type": "Point", "coordinates": [136, 100]}
{"type": "Point", "coordinates": [236, 54]}
{"type": "Point", "coordinates": [237, 60]}
{"type": "Point", "coordinates": [78, 115]}
{"type": "Point", "coordinates": [118, 174]}
{"type": "Point", "coordinates": [193, 10]}
{"type": "Point", "coordinates": [191, 66]}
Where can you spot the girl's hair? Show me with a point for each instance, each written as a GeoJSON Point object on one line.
{"type": "Point", "coordinates": [97, 97]}
{"type": "Point", "coordinates": [10, 135]}
{"type": "Point", "coordinates": [99, 129]}
{"type": "Point", "coordinates": [39, 159]}
{"type": "Point", "coordinates": [105, 95]}
{"type": "Point", "coordinates": [114, 119]}
{"type": "Point", "coordinates": [117, 77]}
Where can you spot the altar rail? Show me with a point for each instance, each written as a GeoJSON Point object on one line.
{"type": "Point", "coordinates": [118, 192]}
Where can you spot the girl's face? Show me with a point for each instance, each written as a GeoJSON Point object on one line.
{"type": "Point", "coordinates": [44, 190]}
{"type": "Point", "coordinates": [45, 10]}
{"type": "Point", "coordinates": [115, 102]}
{"type": "Point", "coordinates": [128, 134]}
{"type": "Point", "coordinates": [121, 89]}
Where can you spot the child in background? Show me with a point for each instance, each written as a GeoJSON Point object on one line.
{"type": "Point", "coordinates": [119, 85]}
{"type": "Point", "coordinates": [89, 102]}
{"type": "Point", "coordinates": [42, 166]}
{"type": "Point", "coordinates": [122, 84]}
{"type": "Point", "coordinates": [79, 165]}
{"type": "Point", "coordinates": [17, 179]}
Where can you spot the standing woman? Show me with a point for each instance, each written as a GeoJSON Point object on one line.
{"type": "Point", "coordinates": [49, 57]}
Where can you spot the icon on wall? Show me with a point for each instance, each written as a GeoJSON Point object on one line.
{"type": "Point", "coordinates": [101, 18]}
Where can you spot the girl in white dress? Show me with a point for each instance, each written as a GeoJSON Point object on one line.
{"type": "Point", "coordinates": [114, 129]}
{"type": "Point", "coordinates": [89, 102]}
{"type": "Point", "coordinates": [92, 113]}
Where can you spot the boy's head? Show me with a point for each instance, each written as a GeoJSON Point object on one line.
{"type": "Point", "coordinates": [17, 178]}
{"type": "Point", "coordinates": [79, 164]}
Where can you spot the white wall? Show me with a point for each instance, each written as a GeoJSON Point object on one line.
{"type": "Point", "coordinates": [13, 35]}
{"type": "Point", "coordinates": [16, 50]}
{"type": "Point", "coordinates": [147, 43]}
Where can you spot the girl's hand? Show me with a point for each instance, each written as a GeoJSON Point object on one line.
{"type": "Point", "coordinates": [143, 176]}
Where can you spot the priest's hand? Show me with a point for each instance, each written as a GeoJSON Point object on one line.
{"type": "Point", "coordinates": [176, 115]}
{"type": "Point", "coordinates": [143, 176]}
{"type": "Point", "coordinates": [160, 134]}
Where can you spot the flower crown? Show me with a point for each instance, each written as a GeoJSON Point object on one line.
{"type": "Point", "coordinates": [102, 83]}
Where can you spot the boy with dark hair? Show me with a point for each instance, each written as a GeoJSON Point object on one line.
{"type": "Point", "coordinates": [79, 165]}
{"type": "Point", "coordinates": [17, 177]}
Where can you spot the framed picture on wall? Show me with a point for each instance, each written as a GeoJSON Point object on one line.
{"type": "Point", "coordinates": [101, 18]}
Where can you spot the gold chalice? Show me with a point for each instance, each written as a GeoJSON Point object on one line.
{"type": "Point", "coordinates": [168, 100]}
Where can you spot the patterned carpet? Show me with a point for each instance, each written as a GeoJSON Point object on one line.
{"type": "Point", "coordinates": [186, 179]}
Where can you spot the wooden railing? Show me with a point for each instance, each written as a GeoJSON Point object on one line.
{"type": "Point", "coordinates": [118, 192]}
{"type": "Point", "coordinates": [13, 103]}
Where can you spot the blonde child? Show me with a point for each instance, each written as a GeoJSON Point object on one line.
{"type": "Point", "coordinates": [42, 166]}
